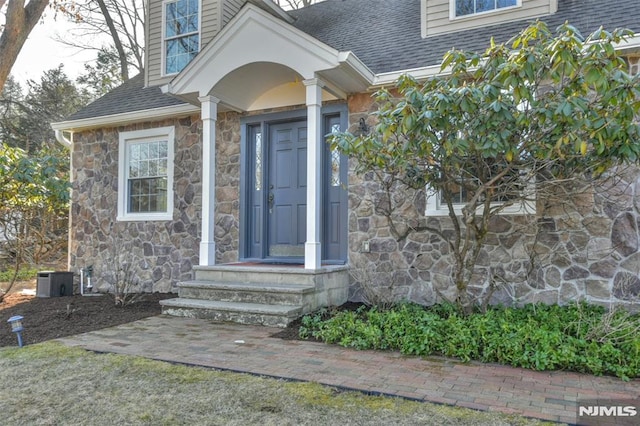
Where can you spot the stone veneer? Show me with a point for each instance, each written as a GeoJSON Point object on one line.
{"type": "Point", "coordinates": [161, 252]}
{"type": "Point", "coordinates": [587, 253]}
{"type": "Point", "coordinates": [591, 253]}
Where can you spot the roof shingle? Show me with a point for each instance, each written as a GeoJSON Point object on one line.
{"type": "Point", "coordinates": [128, 97]}
{"type": "Point", "coordinates": [386, 36]}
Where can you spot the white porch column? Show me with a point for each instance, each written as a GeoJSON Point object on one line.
{"type": "Point", "coordinates": [209, 113]}
{"type": "Point", "coordinates": [312, 248]}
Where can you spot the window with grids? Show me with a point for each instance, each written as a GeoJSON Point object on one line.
{"type": "Point", "coordinates": [472, 7]}
{"type": "Point", "coordinates": [509, 189]}
{"type": "Point", "coordinates": [145, 175]}
{"type": "Point", "coordinates": [181, 36]}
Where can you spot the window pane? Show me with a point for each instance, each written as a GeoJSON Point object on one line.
{"type": "Point", "coordinates": [134, 152]}
{"type": "Point", "coordinates": [170, 25]}
{"type": "Point", "coordinates": [192, 45]}
{"type": "Point", "coordinates": [335, 159]}
{"type": "Point", "coordinates": [258, 175]}
{"type": "Point", "coordinates": [153, 150]}
{"type": "Point", "coordinates": [182, 6]}
{"type": "Point", "coordinates": [484, 5]}
{"type": "Point", "coordinates": [148, 195]}
{"type": "Point", "coordinates": [464, 7]}
{"type": "Point", "coordinates": [507, 3]}
{"type": "Point", "coordinates": [193, 7]}
{"type": "Point", "coordinates": [144, 151]}
{"type": "Point", "coordinates": [162, 167]}
{"type": "Point", "coordinates": [144, 168]}
{"type": "Point", "coordinates": [171, 65]}
{"type": "Point", "coordinates": [134, 169]}
{"type": "Point", "coordinates": [153, 168]}
{"type": "Point", "coordinates": [162, 149]}
{"type": "Point", "coordinates": [180, 52]}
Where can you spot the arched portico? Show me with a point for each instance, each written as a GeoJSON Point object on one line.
{"type": "Point", "coordinates": [258, 61]}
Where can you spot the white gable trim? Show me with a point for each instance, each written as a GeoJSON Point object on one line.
{"type": "Point", "coordinates": [252, 36]}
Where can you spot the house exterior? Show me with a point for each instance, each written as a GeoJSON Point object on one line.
{"type": "Point", "coordinates": [216, 154]}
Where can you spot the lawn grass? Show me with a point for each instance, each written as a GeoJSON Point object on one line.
{"type": "Point", "coordinates": [50, 383]}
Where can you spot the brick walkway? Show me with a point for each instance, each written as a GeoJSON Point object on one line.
{"type": "Point", "coordinates": [251, 349]}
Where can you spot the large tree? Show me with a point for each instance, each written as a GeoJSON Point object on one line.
{"type": "Point", "coordinates": [504, 129]}
{"type": "Point", "coordinates": [119, 21]}
{"type": "Point", "coordinates": [25, 119]}
{"type": "Point", "coordinates": [20, 18]}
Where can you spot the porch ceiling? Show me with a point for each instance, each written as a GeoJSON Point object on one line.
{"type": "Point", "coordinates": [257, 53]}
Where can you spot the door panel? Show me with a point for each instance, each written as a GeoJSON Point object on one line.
{"type": "Point", "coordinates": [255, 189]}
{"type": "Point", "coordinates": [287, 189]}
{"type": "Point", "coordinates": [336, 199]}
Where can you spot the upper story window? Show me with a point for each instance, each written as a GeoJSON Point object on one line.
{"type": "Point", "coordinates": [473, 7]}
{"type": "Point", "coordinates": [181, 34]}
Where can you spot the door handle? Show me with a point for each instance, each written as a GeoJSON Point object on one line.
{"type": "Point", "coordinates": [270, 199]}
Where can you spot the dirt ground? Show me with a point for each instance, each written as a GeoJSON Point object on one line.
{"type": "Point", "coordinates": [53, 317]}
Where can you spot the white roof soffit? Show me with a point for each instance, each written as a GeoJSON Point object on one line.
{"type": "Point", "coordinates": [126, 118]}
{"type": "Point", "coordinates": [255, 36]}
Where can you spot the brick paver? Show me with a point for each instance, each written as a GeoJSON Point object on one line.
{"type": "Point", "coordinates": [251, 349]}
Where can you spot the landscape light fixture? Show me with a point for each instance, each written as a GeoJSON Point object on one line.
{"type": "Point", "coordinates": [16, 327]}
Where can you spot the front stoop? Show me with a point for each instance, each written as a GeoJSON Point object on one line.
{"type": "Point", "coordinates": [273, 296]}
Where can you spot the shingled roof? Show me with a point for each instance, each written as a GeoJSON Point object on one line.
{"type": "Point", "coordinates": [386, 36]}
{"type": "Point", "coordinates": [128, 97]}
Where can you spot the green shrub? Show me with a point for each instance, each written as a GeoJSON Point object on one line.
{"type": "Point", "coordinates": [24, 274]}
{"type": "Point", "coordinates": [576, 337]}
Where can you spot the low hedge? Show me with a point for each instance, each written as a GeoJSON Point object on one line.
{"type": "Point", "coordinates": [575, 337]}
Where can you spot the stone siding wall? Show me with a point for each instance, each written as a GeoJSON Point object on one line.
{"type": "Point", "coordinates": [162, 253]}
{"type": "Point", "coordinates": [586, 252]}
{"type": "Point", "coordinates": [227, 230]}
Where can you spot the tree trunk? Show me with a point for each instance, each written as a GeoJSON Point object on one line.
{"type": "Point", "coordinates": [20, 20]}
{"type": "Point", "coordinates": [124, 64]}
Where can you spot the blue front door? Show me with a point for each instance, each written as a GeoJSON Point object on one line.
{"type": "Point", "coordinates": [274, 190]}
{"type": "Point", "coordinates": [287, 190]}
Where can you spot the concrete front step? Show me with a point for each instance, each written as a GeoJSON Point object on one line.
{"type": "Point", "coordinates": [264, 274]}
{"type": "Point", "coordinates": [243, 313]}
{"type": "Point", "coordinates": [245, 292]}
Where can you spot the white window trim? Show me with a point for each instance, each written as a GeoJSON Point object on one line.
{"type": "Point", "coordinates": [453, 17]}
{"type": "Point", "coordinates": [634, 62]}
{"type": "Point", "coordinates": [163, 49]}
{"type": "Point", "coordinates": [149, 135]}
{"type": "Point", "coordinates": [435, 207]}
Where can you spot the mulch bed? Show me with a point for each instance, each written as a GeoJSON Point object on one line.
{"type": "Point", "coordinates": [54, 317]}
{"type": "Point", "coordinates": [50, 318]}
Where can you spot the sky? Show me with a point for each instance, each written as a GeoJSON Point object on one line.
{"type": "Point", "coordinates": [41, 52]}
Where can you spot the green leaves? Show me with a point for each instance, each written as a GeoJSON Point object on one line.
{"type": "Point", "coordinates": [539, 96]}
{"type": "Point", "coordinates": [482, 133]}
{"type": "Point", "coordinates": [575, 337]}
{"type": "Point", "coordinates": [32, 182]}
